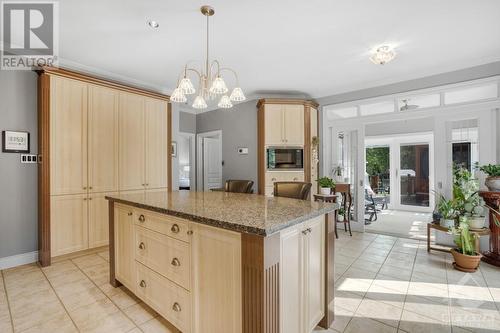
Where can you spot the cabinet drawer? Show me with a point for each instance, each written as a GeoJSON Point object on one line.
{"type": "Point", "coordinates": [164, 224]}
{"type": "Point", "coordinates": [272, 177]}
{"type": "Point", "coordinates": [167, 256]}
{"type": "Point", "coordinates": [169, 300]}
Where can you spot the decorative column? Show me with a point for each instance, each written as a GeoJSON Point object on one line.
{"type": "Point", "coordinates": [492, 200]}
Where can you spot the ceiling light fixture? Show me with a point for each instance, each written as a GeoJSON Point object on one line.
{"type": "Point", "coordinates": [211, 83]}
{"type": "Point", "coordinates": [154, 24]}
{"type": "Point", "coordinates": [382, 55]}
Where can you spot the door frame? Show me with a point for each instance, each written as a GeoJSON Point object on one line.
{"type": "Point", "coordinates": [199, 155]}
{"type": "Point", "coordinates": [192, 158]}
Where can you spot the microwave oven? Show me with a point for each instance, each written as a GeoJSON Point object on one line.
{"type": "Point", "coordinates": [279, 158]}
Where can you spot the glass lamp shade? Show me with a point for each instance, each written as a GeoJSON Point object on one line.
{"type": "Point", "coordinates": [178, 96]}
{"type": "Point", "coordinates": [199, 103]}
{"type": "Point", "coordinates": [225, 102]}
{"type": "Point", "coordinates": [187, 86]}
{"type": "Point", "coordinates": [383, 55]}
{"type": "Point", "coordinates": [237, 95]}
{"type": "Point", "coordinates": [218, 86]}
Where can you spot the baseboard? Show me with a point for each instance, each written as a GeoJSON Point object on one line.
{"type": "Point", "coordinates": [18, 260]}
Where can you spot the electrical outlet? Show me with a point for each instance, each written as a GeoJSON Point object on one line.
{"type": "Point", "coordinates": [29, 158]}
{"type": "Point", "coordinates": [243, 151]}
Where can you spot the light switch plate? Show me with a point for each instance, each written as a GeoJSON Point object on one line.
{"type": "Point", "coordinates": [243, 151]}
{"type": "Point", "coordinates": [29, 158]}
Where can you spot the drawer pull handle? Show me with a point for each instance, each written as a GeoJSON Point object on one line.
{"type": "Point", "coordinates": [129, 213]}
{"type": "Point", "coordinates": [273, 179]}
{"type": "Point", "coordinates": [175, 229]}
{"type": "Point", "coordinates": [295, 179]}
{"type": "Point", "coordinates": [142, 284]}
{"type": "Point", "coordinates": [142, 246]}
{"type": "Point", "coordinates": [176, 307]}
{"type": "Point", "coordinates": [304, 232]}
{"type": "Point", "coordinates": [142, 218]}
{"type": "Point", "coordinates": [309, 230]}
{"type": "Point", "coordinates": [175, 262]}
{"type": "Point", "coordinates": [190, 232]}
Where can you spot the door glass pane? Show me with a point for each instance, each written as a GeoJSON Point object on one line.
{"type": "Point", "coordinates": [414, 175]}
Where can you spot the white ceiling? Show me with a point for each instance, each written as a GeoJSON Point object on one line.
{"type": "Point", "coordinates": [316, 47]}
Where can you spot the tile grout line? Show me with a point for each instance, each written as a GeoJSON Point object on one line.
{"type": "Point", "coordinates": [7, 299]}
{"type": "Point", "coordinates": [59, 299]}
{"type": "Point", "coordinates": [119, 309]}
{"type": "Point", "coordinates": [497, 305]}
{"type": "Point", "coordinates": [407, 288]}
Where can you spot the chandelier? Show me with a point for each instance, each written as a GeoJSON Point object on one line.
{"type": "Point", "coordinates": [211, 84]}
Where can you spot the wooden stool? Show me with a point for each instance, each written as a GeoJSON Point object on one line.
{"type": "Point", "coordinates": [345, 191]}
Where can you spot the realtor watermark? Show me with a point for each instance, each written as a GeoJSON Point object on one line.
{"type": "Point", "coordinates": [29, 34]}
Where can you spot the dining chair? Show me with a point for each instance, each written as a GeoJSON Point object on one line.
{"type": "Point", "coordinates": [238, 186]}
{"type": "Point", "coordinates": [294, 190]}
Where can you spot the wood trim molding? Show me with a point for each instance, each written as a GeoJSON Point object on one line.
{"type": "Point", "coordinates": [307, 144]}
{"type": "Point", "coordinates": [304, 102]}
{"type": "Point", "coordinates": [44, 255]}
{"type": "Point", "coordinates": [101, 81]}
{"type": "Point", "coordinates": [260, 266]}
{"type": "Point", "coordinates": [261, 158]}
{"type": "Point", "coordinates": [112, 275]}
{"type": "Point", "coordinates": [169, 145]}
{"type": "Point", "coordinates": [327, 320]}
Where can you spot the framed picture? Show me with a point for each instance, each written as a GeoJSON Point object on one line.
{"type": "Point", "coordinates": [174, 149]}
{"type": "Point", "coordinates": [15, 142]}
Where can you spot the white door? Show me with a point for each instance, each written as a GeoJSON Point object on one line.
{"type": "Point", "coordinates": [212, 163]}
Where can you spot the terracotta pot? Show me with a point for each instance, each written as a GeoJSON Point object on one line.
{"type": "Point", "coordinates": [466, 262]}
{"type": "Point", "coordinates": [493, 184]}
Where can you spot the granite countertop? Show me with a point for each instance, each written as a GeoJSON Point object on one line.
{"type": "Point", "coordinates": [246, 213]}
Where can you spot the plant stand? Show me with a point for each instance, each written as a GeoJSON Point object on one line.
{"type": "Point", "coordinates": [492, 200]}
{"type": "Point", "coordinates": [436, 226]}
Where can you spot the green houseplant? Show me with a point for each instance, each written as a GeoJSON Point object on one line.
{"type": "Point", "coordinates": [492, 182]}
{"type": "Point", "coordinates": [447, 210]}
{"type": "Point", "coordinates": [466, 196]}
{"type": "Point", "coordinates": [465, 255]}
{"type": "Point", "coordinates": [325, 184]}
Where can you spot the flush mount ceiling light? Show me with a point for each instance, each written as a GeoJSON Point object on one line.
{"type": "Point", "coordinates": [154, 24]}
{"type": "Point", "coordinates": [382, 55]}
{"type": "Point", "coordinates": [211, 83]}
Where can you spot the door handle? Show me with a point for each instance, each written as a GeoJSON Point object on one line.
{"type": "Point", "coordinates": [142, 246]}
{"type": "Point", "coordinates": [175, 229]}
{"type": "Point", "coordinates": [142, 218]}
{"type": "Point", "coordinates": [142, 284]}
{"type": "Point", "coordinates": [176, 307]}
{"type": "Point", "coordinates": [175, 262]}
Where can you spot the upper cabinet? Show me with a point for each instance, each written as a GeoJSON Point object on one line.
{"type": "Point", "coordinates": [284, 125]}
{"type": "Point", "coordinates": [103, 139]}
{"type": "Point", "coordinates": [68, 136]}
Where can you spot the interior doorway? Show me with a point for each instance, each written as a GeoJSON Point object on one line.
{"type": "Point", "coordinates": [185, 151]}
{"type": "Point", "coordinates": [209, 161]}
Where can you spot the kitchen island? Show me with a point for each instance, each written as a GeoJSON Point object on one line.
{"type": "Point", "coordinates": [218, 262]}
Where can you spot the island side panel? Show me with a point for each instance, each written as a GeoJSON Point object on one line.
{"type": "Point", "coordinates": [112, 278]}
{"type": "Point", "coordinates": [260, 258]}
{"type": "Point", "coordinates": [327, 320]}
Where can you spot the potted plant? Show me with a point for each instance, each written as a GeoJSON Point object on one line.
{"type": "Point", "coordinates": [337, 173]}
{"type": "Point", "coordinates": [447, 210]}
{"type": "Point", "coordinates": [465, 255]}
{"type": "Point", "coordinates": [466, 196]}
{"type": "Point", "coordinates": [493, 180]}
{"type": "Point", "coordinates": [326, 184]}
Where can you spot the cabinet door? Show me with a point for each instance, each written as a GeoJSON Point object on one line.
{"type": "Point", "coordinates": [315, 272]}
{"type": "Point", "coordinates": [216, 258]}
{"type": "Point", "coordinates": [99, 219]}
{"type": "Point", "coordinates": [68, 136]}
{"type": "Point", "coordinates": [132, 156]}
{"type": "Point", "coordinates": [291, 289]}
{"type": "Point", "coordinates": [294, 125]}
{"type": "Point", "coordinates": [69, 228]}
{"type": "Point", "coordinates": [273, 123]}
{"type": "Point", "coordinates": [156, 143]}
{"type": "Point", "coordinates": [103, 139]}
{"type": "Point", "coordinates": [124, 246]}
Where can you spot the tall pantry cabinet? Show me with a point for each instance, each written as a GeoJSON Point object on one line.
{"type": "Point", "coordinates": [96, 138]}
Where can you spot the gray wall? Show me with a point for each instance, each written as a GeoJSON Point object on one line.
{"type": "Point", "coordinates": [187, 122]}
{"type": "Point", "coordinates": [239, 129]}
{"type": "Point", "coordinates": [18, 182]}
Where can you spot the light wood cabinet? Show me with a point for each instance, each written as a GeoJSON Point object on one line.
{"type": "Point", "coordinates": [102, 139]}
{"type": "Point", "coordinates": [302, 279]}
{"type": "Point", "coordinates": [68, 214]}
{"type": "Point", "coordinates": [68, 137]}
{"type": "Point", "coordinates": [132, 142]}
{"type": "Point", "coordinates": [98, 217]}
{"type": "Point", "coordinates": [284, 125]}
{"type": "Point", "coordinates": [157, 151]}
{"type": "Point", "coordinates": [216, 256]}
{"type": "Point", "coordinates": [124, 247]}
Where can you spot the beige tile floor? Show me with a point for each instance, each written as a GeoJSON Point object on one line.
{"type": "Point", "coordinates": [383, 284]}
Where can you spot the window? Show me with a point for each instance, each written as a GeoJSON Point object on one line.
{"type": "Point", "coordinates": [418, 102]}
{"type": "Point", "coordinates": [471, 94]}
{"type": "Point", "coordinates": [376, 108]}
{"type": "Point", "coordinates": [342, 113]}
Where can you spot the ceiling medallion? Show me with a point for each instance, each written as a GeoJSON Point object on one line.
{"type": "Point", "coordinates": [211, 84]}
{"type": "Point", "coordinates": [382, 55]}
